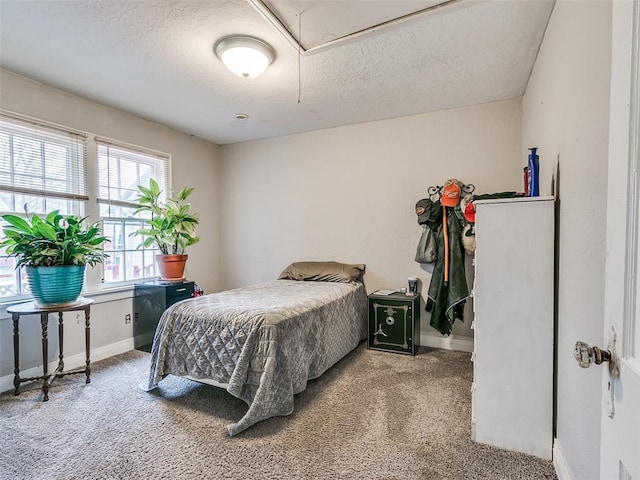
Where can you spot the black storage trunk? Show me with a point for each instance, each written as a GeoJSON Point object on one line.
{"type": "Point", "coordinates": [150, 300]}
{"type": "Point", "coordinates": [394, 323]}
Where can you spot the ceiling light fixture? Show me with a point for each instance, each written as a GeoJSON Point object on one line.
{"type": "Point", "coordinates": [245, 56]}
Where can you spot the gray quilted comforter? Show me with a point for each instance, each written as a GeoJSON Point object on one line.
{"type": "Point", "coordinates": [265, 341]}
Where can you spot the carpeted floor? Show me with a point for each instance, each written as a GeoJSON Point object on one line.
{"type": "Point", "coordinates": [374, 415]}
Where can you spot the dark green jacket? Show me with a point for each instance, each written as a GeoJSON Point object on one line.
{"type": "Point", "coordinates": [446, 302]}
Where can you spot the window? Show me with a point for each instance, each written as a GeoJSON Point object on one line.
{"type": "Point", "coordinates": [42, 168]}
{"type": "Point", "coordinates": [120, 171]}
{"type": "Point", "coordinates": [45, 167]}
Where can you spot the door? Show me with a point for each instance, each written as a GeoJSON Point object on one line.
{"type": "Point", "coordinates": [620, 438]}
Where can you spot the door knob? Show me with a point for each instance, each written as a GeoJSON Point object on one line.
{"type": "Point", "coordinates": [587, 356]}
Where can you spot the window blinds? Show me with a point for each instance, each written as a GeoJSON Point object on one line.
{"type": "Point", "coordinates": [42, 160]}
{"type": "Point", "coordinates": [121, 169]}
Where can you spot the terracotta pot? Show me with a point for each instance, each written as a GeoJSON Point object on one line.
{"type": "Point", "coordinates": [171, 267]}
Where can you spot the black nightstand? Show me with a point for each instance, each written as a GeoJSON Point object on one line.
{"type": "Point", "coordinates": [150, 300]}
{"type": "Point", "coordinates": [394, 323]}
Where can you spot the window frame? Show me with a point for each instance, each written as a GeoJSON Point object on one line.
{"type": "Point", "coordinates": [127, 152]}
{"type": "Point", "coordinates": [74, 162]}
{"type": "Point", "coordinates": [88, 205]}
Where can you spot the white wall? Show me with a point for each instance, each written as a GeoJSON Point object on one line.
{"type": "Point", "coordinates": [348, 194]}
{"type": "Point", "coordinates": [565, 114]}
{"type": "Point", "coordinates": [195, 162]}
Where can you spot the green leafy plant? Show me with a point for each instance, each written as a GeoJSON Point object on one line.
{"type": "Point", "coordinates": [171, 227]}
{"type": "Point", "coordinates": [51, 241]}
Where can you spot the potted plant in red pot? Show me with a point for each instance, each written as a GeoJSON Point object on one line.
{"type": "Point", "coordinates": [54, 252]}
{"type": "Point", "coordinates": [169, 226]}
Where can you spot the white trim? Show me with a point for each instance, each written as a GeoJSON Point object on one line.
{"type": "Point", "coordinates": [71, 362]}
{"type": "Point", "coordinates": [100, 140]}
{"type": "Point", "coordinates": [560, 462]}
{"type": "Point", "coordinates": [515, 200]}
{"type": "Point", "coordinates": [101, 296]}
{"type": "Point", "coordinates": [432, 10]}
{"type": "Point", "coordinates": [633, 196]}
{"type": "Point", "coordinates": [460, 344]}
{"type": "Point", "coordinates": [42, 123]}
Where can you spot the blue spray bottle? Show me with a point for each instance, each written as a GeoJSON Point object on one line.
{"type": "Point", "coordinates": [534, 170]}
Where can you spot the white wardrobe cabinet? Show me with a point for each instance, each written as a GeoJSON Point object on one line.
{"type": "Point", "coordinates": [512, 392]}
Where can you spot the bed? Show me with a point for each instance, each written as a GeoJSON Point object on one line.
{"type": "Point", "coordinates": [263, 343]}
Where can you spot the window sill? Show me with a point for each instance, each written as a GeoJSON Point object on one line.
{"type": "Point", "coordinates": [103, 295]}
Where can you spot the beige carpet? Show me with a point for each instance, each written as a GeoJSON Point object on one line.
{"type": "Point", "coordinates": [374, 415]}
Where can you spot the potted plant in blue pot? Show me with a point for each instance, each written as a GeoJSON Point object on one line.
{"type": "Point", "coordinates": [54, 252]}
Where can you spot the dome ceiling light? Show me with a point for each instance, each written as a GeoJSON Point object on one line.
{"type": "Point", "coordinates": [245, 56]}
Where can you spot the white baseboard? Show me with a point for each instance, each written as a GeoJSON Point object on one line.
{"type": "Point", "coordinates": [460, 344]}
{"type": "Point", "coordinates": [77, 360]}
{"type": "Point", "coordinates": [560, 462]}
{"type": "Point", "coordinates": [71, 362]}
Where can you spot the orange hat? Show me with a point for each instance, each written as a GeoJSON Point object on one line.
{"type": "Point", "coordinates": [450, 193]}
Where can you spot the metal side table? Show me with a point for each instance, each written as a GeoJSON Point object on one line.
{"type": "Point", "coordinates": [30, 308]}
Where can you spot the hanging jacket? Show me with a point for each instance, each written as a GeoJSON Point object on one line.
{"type": "Point", "coordinates": [446, 302]}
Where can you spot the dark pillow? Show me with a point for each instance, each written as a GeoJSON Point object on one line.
{"type": "Point", "coordinates": [322, 271]}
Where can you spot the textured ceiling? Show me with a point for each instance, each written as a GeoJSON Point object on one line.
{"type": "Point", "coordinates": [155, 59]}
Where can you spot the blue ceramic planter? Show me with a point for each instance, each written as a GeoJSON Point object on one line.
{"type": "Point", "coordinates": [55, 286]}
